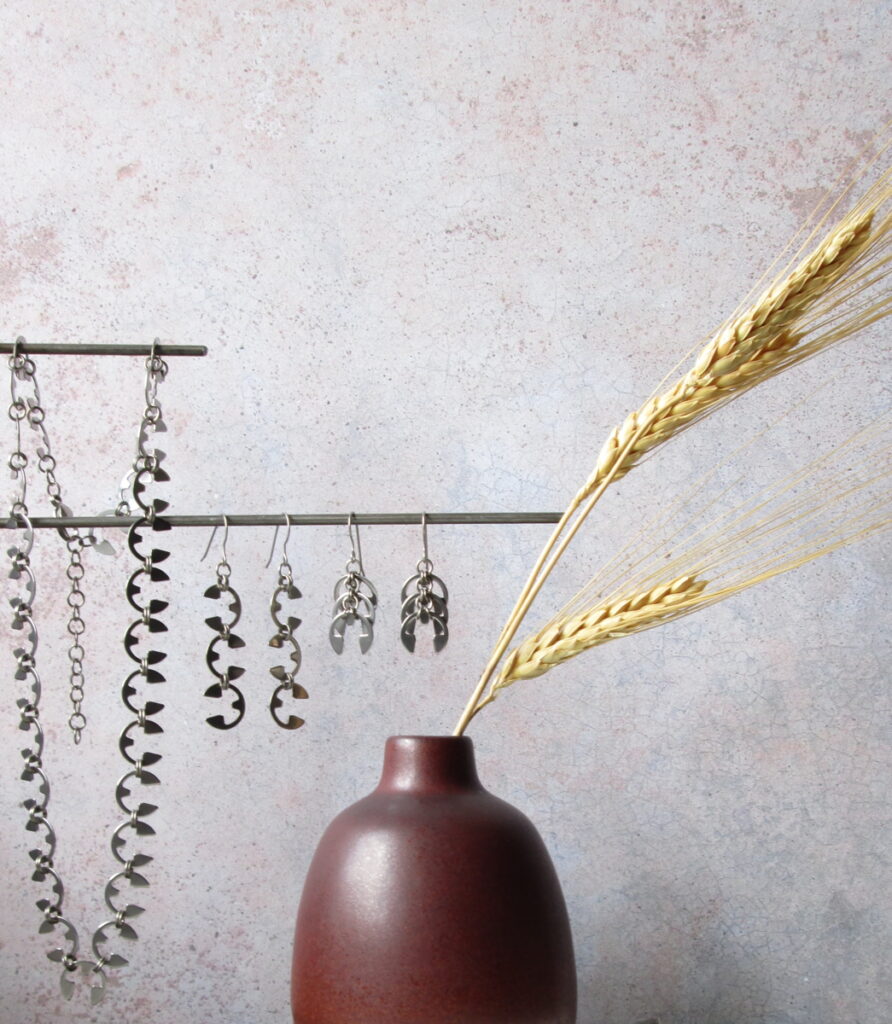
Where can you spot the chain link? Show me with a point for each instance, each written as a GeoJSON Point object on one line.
{"type": "Point", "coordinates": [75, 572]}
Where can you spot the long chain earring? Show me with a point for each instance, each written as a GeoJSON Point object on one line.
{"type": "Point", "coordinates": [224, 679]}
{"type": "Point", "coordinates": [284, 635]}
{"type": "Point", "coordinates": [146, 469]}
{"type": "Point", "coordinates": [355, 598]}
{"type": "Point", "coordinates": [428, 602]}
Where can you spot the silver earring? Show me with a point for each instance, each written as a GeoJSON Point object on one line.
{"type": "Point", "coordinates": [355, 598]}
{"type": "Point", "coordinates": [284, 636]}
{"type": "Point", "coordinates": [424, 599]}
{"type": "Point", "coordinates": [224, 684]}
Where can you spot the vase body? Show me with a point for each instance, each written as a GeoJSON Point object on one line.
{"type": "Point", "coordinates": [431, 901]}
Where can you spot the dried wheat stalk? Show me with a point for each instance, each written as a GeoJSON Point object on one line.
{"type": "Point", "coordinates": [842, 496]}
{"type": "Point", "coordinates": [570, 636]}
{"type": "Point", "coordinates": [751, 348]}
{"type": "Point", "coordinates": [755, 345]}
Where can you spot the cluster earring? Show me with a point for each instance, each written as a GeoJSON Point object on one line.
{"type": "Point", "coordinates": [424, 599]}
{"type": "Point", "coordinates": [224, 679]}
{"type": "Point", "coordinates": [284, 636]}
{"type": "Point", "coordinates": [355, 598]}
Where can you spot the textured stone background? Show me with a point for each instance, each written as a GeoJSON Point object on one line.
{"type": "Point", "coordinates": [436, 251]}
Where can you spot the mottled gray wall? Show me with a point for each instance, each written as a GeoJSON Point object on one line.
{"type": "Point", "coordinates": [436, 250]}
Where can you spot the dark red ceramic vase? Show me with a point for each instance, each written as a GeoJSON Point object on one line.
{"type": "Point", "coordinates": [431, 901]}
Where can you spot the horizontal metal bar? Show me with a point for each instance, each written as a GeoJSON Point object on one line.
{"type": "Point", "coordinates": [98, 349]}
{"type": "Point", "coordinates": [278, 519]}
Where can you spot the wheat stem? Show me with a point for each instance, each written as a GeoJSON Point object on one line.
{"type": "Point", "coordinates": [529, 594]}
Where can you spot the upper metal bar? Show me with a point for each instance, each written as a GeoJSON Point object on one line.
{"type": "Point", "coordinates": [276, 519]}
{"type": "Point", "coordinates": [97, 349]}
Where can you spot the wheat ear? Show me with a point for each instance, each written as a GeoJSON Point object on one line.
{"type": "Point", "coordinates": [752, 347]}
{"type": "Point", "coordinates": [574, 634]}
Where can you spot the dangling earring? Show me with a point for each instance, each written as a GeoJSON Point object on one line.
{"type": "Point", "coordinates": [427, 603]}
{"type": "Point", "coordinates": [355, 598]}
{"type": "Point", "coordinates": [224, 684]}
{"type": "Point", "coordinates": [285, 635]}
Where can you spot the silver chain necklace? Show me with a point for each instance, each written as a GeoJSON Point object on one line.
{"type": "Point", "coordinates": [146, 469]}
{"type": "Point", "coordinates": [26, 405]}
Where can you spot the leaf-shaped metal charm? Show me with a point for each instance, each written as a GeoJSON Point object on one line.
{"type": "Point", "coordinates": [66, 984]}
{"type": "Point", "coordinates": [97, 992]}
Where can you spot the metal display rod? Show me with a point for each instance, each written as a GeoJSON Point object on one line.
{"type": "Point", "coordinates": [66, 349]}
{"type": "Point", "coordinates": [278, 519]}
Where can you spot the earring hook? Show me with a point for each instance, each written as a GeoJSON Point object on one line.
{"type": "Point", "coordinates": [225, 538]}
{"type": "Point", "coordinates": [272, 549]}
{"type": "Point", "coordinates": [424, 534]}
{"type": "Point", "coordinates": [355, 546]}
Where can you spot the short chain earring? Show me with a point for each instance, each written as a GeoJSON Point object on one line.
{"type": "Point", "coordinates": [284, 636]}
{"type": "Point", "coordinates": [224, 684]}
{"type": "Point", "coordinates": [355, 598]}
{"type": "Point", "coordinates": [424, 599]}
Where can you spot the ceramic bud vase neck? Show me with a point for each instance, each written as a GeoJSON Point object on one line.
{"type": "Point", "coordinates": [431, 901]}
